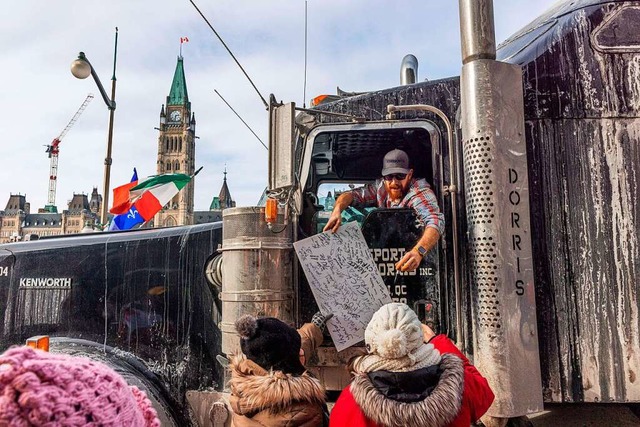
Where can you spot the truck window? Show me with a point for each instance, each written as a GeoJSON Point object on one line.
{"type": "Point", "coordinates": [327, 195]}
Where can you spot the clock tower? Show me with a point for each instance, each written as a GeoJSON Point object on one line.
{"type": "Point", "coordinates": [176, 150]}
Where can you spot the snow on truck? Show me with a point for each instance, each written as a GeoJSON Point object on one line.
{"type": "Point", "coordinates": [533, 155]}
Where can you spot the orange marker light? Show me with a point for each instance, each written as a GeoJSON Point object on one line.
{"type": "Point", "coordinates": [271, 211]}
{"type": "Point", "coordinates": [40, 342]}
{"type": "Point", "coordinates": [318, 100]}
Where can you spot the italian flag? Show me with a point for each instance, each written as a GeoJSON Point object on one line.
{"type": "Point", "coordinates": [121, 202]}
{"type": "Point", "coordinates": [152, 193]}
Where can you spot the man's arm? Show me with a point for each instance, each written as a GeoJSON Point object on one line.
{"type": "Point", "coordinates": [335, 220]}
{"type": "Point", "coordinates": [359, 197]}
{"type": "Point", "coordinates": [425, 204]}
{"type": "Point", "coordinates": [412, 259]}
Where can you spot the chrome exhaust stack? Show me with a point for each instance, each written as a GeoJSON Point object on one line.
{"type": "Point", "coordinates": [498, 216]}
{"type": "Point", "coordinates": [409, 70]}
{"type": "Point", "coordinates": [477, 30]}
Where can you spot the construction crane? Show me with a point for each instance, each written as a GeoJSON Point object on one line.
{"type": "Point", "coordinates": [53, 150]}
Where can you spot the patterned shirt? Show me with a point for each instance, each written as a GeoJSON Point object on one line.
{"type": "Point", "coordinates": [420, 197]}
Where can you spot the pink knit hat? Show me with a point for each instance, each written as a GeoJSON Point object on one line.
{"type": "Point", "coordinates": [39, 388]}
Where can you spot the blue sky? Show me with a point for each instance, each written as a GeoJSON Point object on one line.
{"type": "Point", "coordinates": [355, 44]}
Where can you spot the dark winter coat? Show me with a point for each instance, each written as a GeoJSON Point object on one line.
{"type": "Point", "coordinates": [451, 394]}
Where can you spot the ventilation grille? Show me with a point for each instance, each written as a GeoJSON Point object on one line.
{"type": "Point", "coordinates": [480, 213]}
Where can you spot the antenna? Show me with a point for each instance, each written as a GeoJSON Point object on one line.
{"type": "Point", "coordinates": [232, 55]}
{"type": "Point", "coordinates": [245, 123]}
{"type": "Point", "coordinates": [304, 91]}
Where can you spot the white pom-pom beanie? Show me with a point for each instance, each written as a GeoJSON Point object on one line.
{"type": "Point", "coordinates": [395, 341]}
{"type": "Point", "coordinates": [394, 331]}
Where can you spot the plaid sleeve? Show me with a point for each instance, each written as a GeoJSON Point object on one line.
{"type": "Point", "coordinates": [364, 196]}
{"type": "Point", "coordinates": [425, 204]}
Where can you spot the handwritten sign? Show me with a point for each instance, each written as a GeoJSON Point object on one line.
{"type": "Point", "coordinates": [344, 280]}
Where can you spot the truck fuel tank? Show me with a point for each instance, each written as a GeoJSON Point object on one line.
{"type": "Point", "coordinates": [256, 271]}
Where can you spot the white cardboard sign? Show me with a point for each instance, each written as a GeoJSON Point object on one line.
{"type": "Point", "coordinates": [344, 280]}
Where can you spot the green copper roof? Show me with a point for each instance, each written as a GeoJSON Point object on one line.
{"type": "Point", "coordinates": [215, 203]}
{"type": "Point", "coordinates": [178, 94]}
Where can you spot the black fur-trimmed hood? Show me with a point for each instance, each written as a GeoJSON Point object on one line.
{"type": "Point", "coordinates": [438, 408]}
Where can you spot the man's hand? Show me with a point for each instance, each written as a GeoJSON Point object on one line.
{"type": "Point", "coordinates": [427, 333]}
{"type": "Point", "coordinates": [334, 222]}
{"type": "Point", "coordinates": [410, 261]}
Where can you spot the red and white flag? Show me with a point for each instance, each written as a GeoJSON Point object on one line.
{"type": "Point", "coordinates": [184, 39]}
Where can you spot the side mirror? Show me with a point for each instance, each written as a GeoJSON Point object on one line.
{"type": "Point", "coordinates": [281, 145]}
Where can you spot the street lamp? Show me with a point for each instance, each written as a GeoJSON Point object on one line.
{"type": "Point", "coordinates": [81, 68]}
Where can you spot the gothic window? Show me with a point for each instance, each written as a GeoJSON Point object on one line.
{"type": "Point", "coordinates": [180, 144]}
{"type": "Point", "coordinates": [177, 166]}
{"type": "Point", "coordinates": [168, 166]}
{"type": "Point", "coordinates": [170, 222]}
{"type": "Point", "coordinates": [166, 144]}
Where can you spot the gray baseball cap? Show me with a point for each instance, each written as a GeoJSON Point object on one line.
{"type": "Point", "coordinates": [395, 161]}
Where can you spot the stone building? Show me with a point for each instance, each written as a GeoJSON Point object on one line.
{"type": "Point", "coordinates": [176, 154]}
{"type": "Point", "coordinates": [95, 203]}
{"type": "Point", "coordinates": [176, 149]}
{"type": "Point", "coordinates": [18, 223]}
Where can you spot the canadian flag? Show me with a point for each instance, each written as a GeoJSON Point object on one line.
{"type": "Point", "coordinates": [184, 40]}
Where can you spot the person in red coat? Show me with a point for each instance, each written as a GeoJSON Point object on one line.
{"type": "Point", "coordinates": [410, 377]}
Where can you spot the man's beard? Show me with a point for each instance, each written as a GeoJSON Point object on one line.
{"type": "Point", "coordinates": [396, 193]}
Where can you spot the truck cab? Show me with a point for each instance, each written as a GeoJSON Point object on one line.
{"type": "Point", "coordinates": [316, 162]}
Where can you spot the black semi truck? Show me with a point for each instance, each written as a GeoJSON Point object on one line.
{"type": "Point", "coordinates": [533, 155]}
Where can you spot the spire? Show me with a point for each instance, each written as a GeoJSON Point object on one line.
{"type": "Point", "coordinates": [192, 123]}
{"type": "Point", "coordinates": [162, 113]}
{"type": "Point", "coordinates": [178, 93]}
{"type": "Point", "coordinates": [224, 197]}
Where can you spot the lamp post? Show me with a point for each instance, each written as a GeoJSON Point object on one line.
{"type": "Point", "coordinates": [81, 68]}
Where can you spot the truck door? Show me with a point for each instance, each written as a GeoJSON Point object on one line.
{"type": "Point", "coordinates": [389, 234]}
{"type": "Point", "coordinates": [339, 157]}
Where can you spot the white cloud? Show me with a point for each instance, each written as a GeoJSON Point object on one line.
{"type": "Point", "coordinates": [357, 45]}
